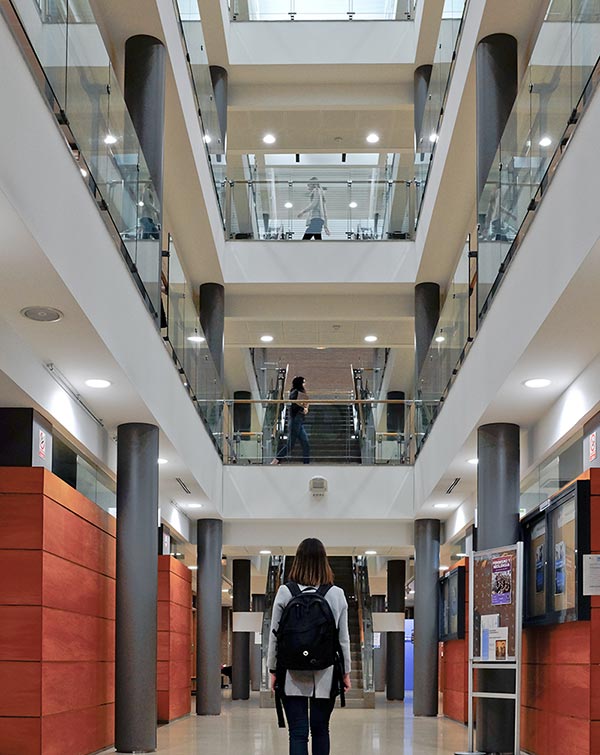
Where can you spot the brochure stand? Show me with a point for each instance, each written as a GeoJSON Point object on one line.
{"type": "Point", "coordinates": [495, 626]}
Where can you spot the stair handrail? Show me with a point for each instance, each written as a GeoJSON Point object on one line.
{"type": "Point", "coordinates": [274, 576]}
{"type": "Point", "coordinates": [365, 620]}
{"type": "Point", "coordinates": [274, 422]}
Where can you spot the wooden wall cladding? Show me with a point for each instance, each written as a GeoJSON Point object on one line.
{"type": "Point", "coordinates": [455, 680]}
{"type": "Point", "coordinates": [174, 639]}
{"type": "Point", "coordinates": [57, 612]}
{"type": "Point", "coordinates": [560, 709]}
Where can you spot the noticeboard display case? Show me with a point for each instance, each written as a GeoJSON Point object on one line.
{"type": "Point", "coordinates": [452, 605]}
{"type": "Point", "coordinates": [556, 537]}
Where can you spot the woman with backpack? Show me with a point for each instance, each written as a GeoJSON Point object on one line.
{"type": "Point", "coordinates": [309, 648]}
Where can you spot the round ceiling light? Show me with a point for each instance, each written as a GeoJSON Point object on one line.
{"type": "Point", "coordinates": [42, 314]}
{"type": "Point", "coordinates": [440, 339]}
{"type": "Point", "coordinates": [269, 139]}
{"type": "Point", "coordinates": [162, 461]}
{"type": "Point", "coordinates": [370, 339]}
{"type": "Point", "coordinates": [433, 137]}
{"type": "Point", "coordinates": [193, 505]}
{"type": "Point", "coordinates": [370, 553]}
{"type": "Point", "coordinates": [353, 205]}
{"type": "Point", "coordinates": [265, 553]}
{"type": "Point", "coordinates": [472, 461]}
{"type": "Point", "coordinates": [110, 139]}
{"type": "Point", "coordinates": [193, 567]}
{"type": "Point", "coordinates": [372, 138]}
{"type": "Point", "coordinates": [206, 139]}
{"type": "Point", "coordinates": [83, 172]}
{"type": "Point", "coordinates": [196, 339]}
{"type": "Point", "coordinates": [98, 383]}
{"type": "Point", "coordinates": [444, 568]}
{"type": "Point", "coordinates": [545, 141]}
{"type": "Point", "coordinates": [288, 205]}
{"type": "Point", "coordinates": [266, 338]}
{"type": "Point", "coordinates": [537, 383]}
{"type": "Point", "coordinates": [441, 505]}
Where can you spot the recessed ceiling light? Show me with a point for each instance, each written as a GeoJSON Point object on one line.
{"type": "Point", "coordinates": [353, 205]}
{"type": "Point", "coordinates": [288, 205]}
{"type": "Point", "coordinates": [370, 553]}
{"type": "Point", "coordinates": [196, 339]}
{"type": "Point", "coordinates": [193, 568]}
{"type": "Point", "coordinates": [265, 553]}
{"type": "Point", "coordinates": [372, 138]}
{"type": "Point", "coordinates": [472, 461]}
{"type": "Point", "coordinates": [537, 383]}
{"type": "Point", "coordinates": [433, 137]}
{"type": "Point", "coordinates": [97, 383]}
{"type": "Point", "coordinates": [162, 461]}
{"type": "Point", "coordinates": [411, 592]}
{"type": "Point", "coordinates": [545, 141]}
{"type": "Point", "coordinates": [42, 314]}
{"type": "Point", "coordinates": [207, 139]}
{"type": "Point", "coordinates": [370, 339]}
{"type": "Point", "coordinates": [462, 555]}
{"type": "Point", "coordinates": [320, 348]}
{"type": "Point", "coordinates": [140, 203]}
{"type": "Point", "coordinates": [194, 505]}
{"type": "Point", "coordinates": [444, 568]}
{"type": "Point", "coordinates": [110, 139]}
{"type": "Point", "coordinates": [83, 172]}
{"type": "Point", "coordinates": [440, 339]}
{"type": "Point", "coordinates": [225, 589]}
{"type": "Point", "coordinates": [266, 338]}
{"type": "Point", "coordinates": [441, 505]}
{"type": "Point", "coordinates": [269, 139]}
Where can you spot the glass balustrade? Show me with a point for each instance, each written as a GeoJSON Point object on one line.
{"type": "Point", "coordinates": [83, 91]}
{"type": "Point", "coordinates": [441, 73]}
{"type": "Point", "coordinates": [279, 209]}
{"type": "Point", "coordinates": [548, 104]}
{"type": "Point", "coordinates": [316, 10]}
{"type": "Point", "coordinates": [341, 430]}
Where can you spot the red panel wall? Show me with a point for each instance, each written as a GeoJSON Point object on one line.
{"type": "Point", "coordinates": [174, 639]}
{"type": "Point", "coordinates": [455, 679]}
{"type": "Point", "coordinates": [57, 612]}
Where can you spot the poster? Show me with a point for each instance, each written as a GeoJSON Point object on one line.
{"type": "Point", "coordinates": [502, 581]}
{"type": "Point", "coordinates": [489, 623]}
{"type": "Point", "coordinates": [564, 571]}
{"type": "Point", "coordinates": [559, 568]}
{"type": "Point", "coordinates": [497, 644]}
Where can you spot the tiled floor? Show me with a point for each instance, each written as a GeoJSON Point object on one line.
{"type": "Point", "coordinates": [244, 729]}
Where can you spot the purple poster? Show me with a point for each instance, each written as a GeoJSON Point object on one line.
{"type": "Point", "coordinates": [501, 581]}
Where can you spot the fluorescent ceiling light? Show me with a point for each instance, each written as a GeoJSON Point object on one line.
{"type": "Point", "coordinates": [440, 339]}
{"type": "Point", "coordinates": [370, 339]}
{"type": "Point", "coordinates": [370, 553]}
{"type": "Point", "coordinates": [288, 205]}
{"type": "Point", "coordinates": [269, 139]}
{"type": "Point", "coordinates": [97, 383]}
{"type": "Point", "coordinates": [353, 205]}
{"type": "Point", "coordinates": [537, 383]}
{"type": "Point", "coordinates": [196, 339]}
{"type": "Point", "coordinates": [472, 461]}
{"type": "Point", "coordinates": [110, 139]}
{"type": "Point", "coordinates": [162, 461]}
{"type": "Point", "coordinates": [266, 338]}
{"type": "Point", "coordinates": [441, 505]}
{"type": "Point", "coordinates": [265, 553]}
{"type": "Point", "coordinates": [372, 138]}
{"type": "Point", "coordinates": [545, 141]}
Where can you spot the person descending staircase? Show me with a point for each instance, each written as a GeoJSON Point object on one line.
{"type": "Point", "coordinates": [330, 429]}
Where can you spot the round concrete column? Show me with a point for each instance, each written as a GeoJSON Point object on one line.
{"type": "Point", "coordinates": [427, 314]}
{"type": "Point", "coordinates": [396, 599]}
{"type": "Point", "coordinates": [212, 320]}
{"type": "Point", "coordinates": [218, 76]}
{"type": "Point", "coordinates": [208, 617]}
{"type": "Point", "coordinates": [427, 567]}
{"type": "Point", "coordinates": [498, 492]}
{"type": "Point", "coordinates": [421, 79]}
{"type": "Point", "coordinates": [137, 588]}
{"type": "Point", "coordinates": [240, 666]}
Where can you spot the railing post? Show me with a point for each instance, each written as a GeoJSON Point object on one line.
{"type": "Point", "coordinates": [229, 188]}
{"type": "Point", "coordinates": [411, 188]}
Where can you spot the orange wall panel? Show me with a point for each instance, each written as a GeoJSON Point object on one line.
{"type": "Point", "coordinates": [20, 689]}
{"type": "Point", "coordinates": [20, 577]}
{"type": "Point", "coordinates": [20, 736]}
{"type": "Point", "coordinates": [78, 731]}
{"type": "Point", "coordinates": [70, 636]}
{"type": "Point", "coordinates": [20, 522]}
{"type": "Point", "coordinates": [21, 635]}
{"type": "Point", "coordinates": [90, 592]}
{"type": "Point", "coordinates": [72, 685]}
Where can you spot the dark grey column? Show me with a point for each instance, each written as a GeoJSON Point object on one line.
{"type": "Point", "coordinates": [422, 77]}
{"type": "Point", "coordinates": [242, 413]}
{"type": "Point", "coordinates": [212, 320]}
{"type": "Point", "coordinates": [218, 76]}
{"type": "Point", "coordinates": [427, 567]}
{"type": "Point", "coordinates": [240, 666]}
{"type": "Point", "coordinates": [208, 617]}
{"type": "Point", "coordinates": [396, 599]}
{"type": "Point", "coordinates": [25, 439]}
{"type": "Point", "coordinates": [137, 579]}
{"type": "Point", "coordinates": [497, 85]}
{"type": "Point", "coordinates": [258, 604]}
{"type": "Point", "coordinates": [379, 654]}
{"type": "Point", "coordinates": [498, 478]}
{"type": "Point", "coordinates": [427, 314]}
{"type": "Point", "coordinates": [145, 59]}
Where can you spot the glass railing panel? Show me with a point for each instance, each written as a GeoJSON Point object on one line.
{"type": "Point", "coordinates": [313, 10]}
{"type": "Point", "coordinates": [563, 58]}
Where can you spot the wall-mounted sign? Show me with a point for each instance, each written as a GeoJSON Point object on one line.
{"type": "Point", "coordinates": [42, 444]}
{"type": "Point", "coordinates": [591, 574]}
{"type": "Point", "coordinates": [593, 447]}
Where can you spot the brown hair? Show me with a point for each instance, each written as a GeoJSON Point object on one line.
{"type": "Point", "coordinates": [311, 567]}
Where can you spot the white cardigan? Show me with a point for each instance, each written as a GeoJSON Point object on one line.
{"type": "Point", "coordinates": [311, 683]}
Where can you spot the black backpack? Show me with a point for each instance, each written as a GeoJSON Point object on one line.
{"type": "Point", "coordinates": [307, 639]}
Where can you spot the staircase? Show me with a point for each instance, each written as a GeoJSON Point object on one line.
{"type": "Point", "coordinates": [330, 430]}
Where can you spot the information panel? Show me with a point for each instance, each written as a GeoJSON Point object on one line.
{"type": "Point", "coordinates": [452, 605]}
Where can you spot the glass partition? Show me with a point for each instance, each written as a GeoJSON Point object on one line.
{"type": "Point", "coordinates": [565, 54]}
{"type": "Point", "coordinates": [367, 644]}
{"type": "Point", "coordinates": [314, 10]}
{"type": "Point", "coordinates": [83, 91]}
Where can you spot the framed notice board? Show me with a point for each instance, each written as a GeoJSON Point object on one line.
{"type": "Point", "coordinates": [452, 605]}
{"type": "Point", "coordinates": [556, 537]}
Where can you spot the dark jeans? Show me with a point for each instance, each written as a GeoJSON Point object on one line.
{"type": "Point", "coordinates": [308, 236]}
{"type": "Point", "coordinates": [296, 712]}
{"type": "Point", "coordinates": [296, 432]}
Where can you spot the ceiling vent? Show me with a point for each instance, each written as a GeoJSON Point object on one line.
{"type": "Point", "coordinates": [453, 485]}
{"type": "Point", "coordinates": [184, 487]}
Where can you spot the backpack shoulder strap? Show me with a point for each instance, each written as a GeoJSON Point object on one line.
{"type": "Point", "coordinates": [324, 589]}
{"type": "Point", "coordinates": [293, 588]}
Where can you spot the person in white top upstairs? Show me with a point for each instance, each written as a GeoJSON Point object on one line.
{"type": "Point", "coordinates": [310, 569]}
